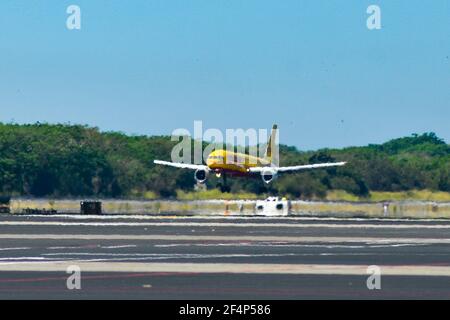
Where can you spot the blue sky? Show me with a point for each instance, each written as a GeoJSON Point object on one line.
{"type": "Point", "coordinates": [149, 67]}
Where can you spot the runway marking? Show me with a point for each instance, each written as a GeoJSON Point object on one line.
{"type": "Point", "coordinates": [22, 258]}
{"type": "Point", "coordinates": [317, 269]}
{"type": "Point", "coordinates": [290, 239]}
{"type": "Point", "coordinates": [236, 217]}
{"type": "Point", "coordinates": [161, 256]}
{"type": "Point", "coordinates": [119, 247]}
{"type": "Point", "coordinates": [223, 224]}
{"type": "Point", "coordinates": [73, 247]}
{"type": "Point", "coordinates": [290, 245]}
{"type": "Point", "coordinates": [13, 249]}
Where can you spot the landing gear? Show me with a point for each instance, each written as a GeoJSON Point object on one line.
{"type": "Point", "coordinates": [224, 187]}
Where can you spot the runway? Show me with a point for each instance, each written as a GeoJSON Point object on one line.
{"type": "Point", "coordinates": [162, 257]}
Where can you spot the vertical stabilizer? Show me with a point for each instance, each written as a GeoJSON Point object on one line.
{"type": "Point", "coordinates": [271, 154]}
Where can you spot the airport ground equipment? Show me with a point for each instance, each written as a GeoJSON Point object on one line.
{"type": "Point", "coordinates": [273, 206]}
{"type": "Point", "coordinates": [91, 207]}
{"type": "Point", "coordinates": [5, 203]}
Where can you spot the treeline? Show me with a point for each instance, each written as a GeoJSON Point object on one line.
{"type": "Point", "coordinates": [72, 160]}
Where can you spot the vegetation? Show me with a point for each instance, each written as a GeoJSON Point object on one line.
{"type": "Point", "coordinates": [378, 196]}
{"type": "Point", "coordinates": [73, 160]}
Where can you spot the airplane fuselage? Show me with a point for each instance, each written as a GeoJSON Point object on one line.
{"type": "Point", "coordinates": [233, 163]}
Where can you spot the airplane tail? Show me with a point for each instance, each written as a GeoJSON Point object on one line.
{"type": "Point", "coordinates": [271, 154]}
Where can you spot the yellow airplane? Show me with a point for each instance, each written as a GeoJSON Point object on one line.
{"type": "Point", "coordinates": [223, 162]}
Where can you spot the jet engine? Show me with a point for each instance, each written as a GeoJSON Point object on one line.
{"type": "Point", "coordinates": [268, 175]}
{"type": "Point", "coordinates": [200, 175]}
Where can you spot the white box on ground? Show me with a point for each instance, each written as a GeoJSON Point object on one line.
{"type": "Point", "coordinates": [273, 206]}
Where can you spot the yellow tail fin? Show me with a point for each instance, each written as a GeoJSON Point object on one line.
{"type": "Point", "coordinates": [271, 143]}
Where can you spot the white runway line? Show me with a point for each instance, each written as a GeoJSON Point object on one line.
{"type": "Point", "coordinates": [289, 245]}
{"type": "Point", "coordinates": [119, 247]}
{"type": "Point", "coordinates": [305, 269]}
{"type": "Point", "coordinates": [297, 239]}
{"type": "Point", "coordinates": [22, 258]}
{"type": "Point", "coordinates": [165, 256]}
{"type": "Point", "coordinates": [223, 224]}
{"type": "Point", "coordinates": [231, 218]}
{"type": "Point", "coordinates": [13, 249]}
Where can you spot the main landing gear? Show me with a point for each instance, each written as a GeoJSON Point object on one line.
{"type": "Point", "coordinates": [223, 185]}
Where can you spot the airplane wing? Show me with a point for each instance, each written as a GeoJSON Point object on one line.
{"type": "Point", "coordinates": [297, 168]}
{"type": "Point", "coordinates": [182, 165]}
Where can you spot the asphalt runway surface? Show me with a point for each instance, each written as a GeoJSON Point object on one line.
{"type": "Point", "coordinates": [162, 257]}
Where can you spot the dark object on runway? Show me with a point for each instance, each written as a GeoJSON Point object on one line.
{"type": "Point", "coordinates": [38, 211]}
{"type": "Point", "coordinates": [5, 203]}
{"type": "Point", "coordinates": [91, 207]}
